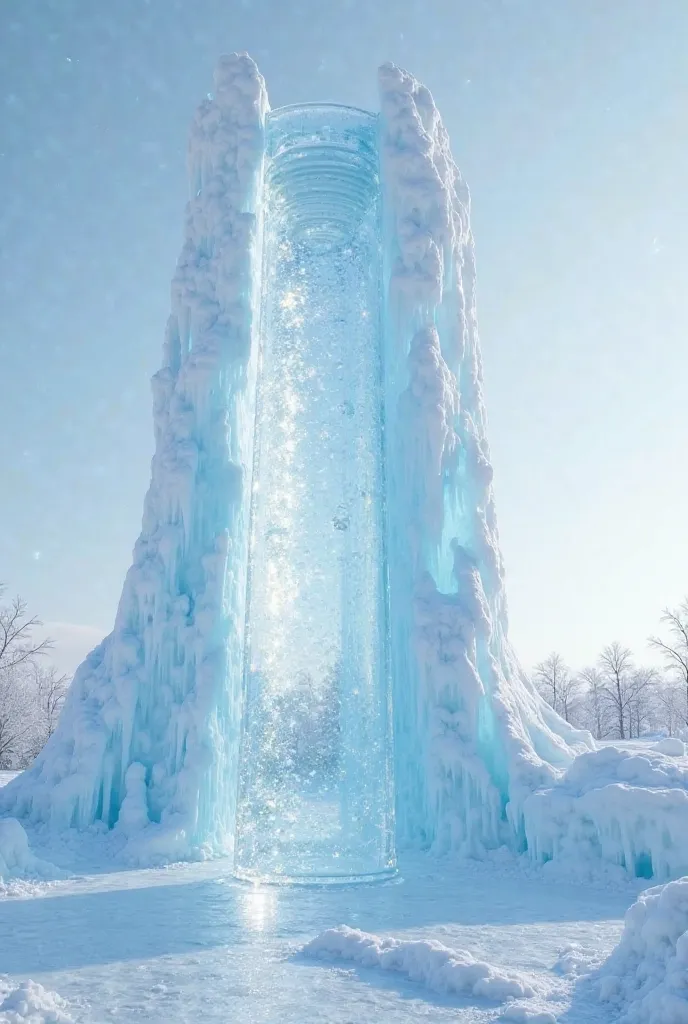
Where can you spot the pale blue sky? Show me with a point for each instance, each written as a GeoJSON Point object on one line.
{"type": "Point", "coordinates": [568, 118]}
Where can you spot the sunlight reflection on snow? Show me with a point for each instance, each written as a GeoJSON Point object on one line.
{"type": "Point", "coordinates": [258, 909]}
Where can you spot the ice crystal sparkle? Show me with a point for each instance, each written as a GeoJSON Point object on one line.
{"type": "Point", "coordinates": [315, 780]}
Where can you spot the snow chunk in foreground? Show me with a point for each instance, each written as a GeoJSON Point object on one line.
{"type": "Point", "coordinates": [647, 974]}
{"type": "Point", "coordinates": [30, 1003]}
{"type": "Point", "coordinates": [16, 858]}
{"type": "Point", "coordinates": [437, 967]}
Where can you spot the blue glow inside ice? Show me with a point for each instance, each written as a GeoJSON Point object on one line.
{"type": "Point", "coordinates": [316, 798]}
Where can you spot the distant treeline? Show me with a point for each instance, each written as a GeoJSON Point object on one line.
{"type": "Point", "coordinates": [618, 698]}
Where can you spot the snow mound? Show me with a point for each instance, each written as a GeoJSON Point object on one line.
{"type": "Point", "coordinates": [629, 809]}
{"type": "Point", "coordinates": [646, 976]}
{"type": "Point", "coordinates": [671, 746]}
{"type": "Point", "coordinates": [30, 1003]}
{"type": "Point", "coordinates": [16, 858]}
{"type": "Point", "coordinates": [437, 967]}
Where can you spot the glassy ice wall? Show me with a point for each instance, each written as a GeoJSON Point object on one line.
{"type": "Point", "coordinates": [315, 789]}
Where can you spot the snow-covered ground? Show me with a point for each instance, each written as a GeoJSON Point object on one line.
{"type": "Point", "coordinates": [189, 944]}
{"type": "Point", "coordinates": [452, 941]}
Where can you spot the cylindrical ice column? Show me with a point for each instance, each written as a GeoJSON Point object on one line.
{"type": "Point", "coordinates": [316, 801]}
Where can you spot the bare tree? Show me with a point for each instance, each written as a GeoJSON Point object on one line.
{"type": "Point", "coordinates": [16, 720]}
{"type": "Point", "coordinates": [641, 706]}
{"type": "Point", "coordinates": [548, 676]}
{"type": "Point", "coordinates": [670, 701]}
{"type": "Point", "coordinates": [19, 651]}
{"type": "Point", "coordinates": [595, 705]}
{"type": "Point", "coordinates": [570, 698]}
{"type": "Point", "coordinates": [557, 685]}
{"type": "Point", "coordinates": [616, 666]}
{"type": "Point", "coordinates": [50, 689]}
{"type": "Point", "coordinates": [676, 650]}
{"type": "Point", "coordinates": [17, 642]}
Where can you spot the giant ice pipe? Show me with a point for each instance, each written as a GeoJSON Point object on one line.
{"type": "Point", "coordinates": [315, 773]}
{"type": "Point", "coordinates": [148, 742]}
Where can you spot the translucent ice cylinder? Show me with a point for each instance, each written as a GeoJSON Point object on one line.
{"type": "Point", "coordinates": [316, 800]}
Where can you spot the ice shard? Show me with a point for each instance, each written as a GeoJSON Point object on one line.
{"type": "Point", "coordinates": [315, 788]}
{"type": "Point", "coordinates": [333, 248]}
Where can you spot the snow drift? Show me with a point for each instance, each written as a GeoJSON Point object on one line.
{"type": "Point", "coordinates": [646, 976]}
{"type": "Point", "coordinates": [435, 966]}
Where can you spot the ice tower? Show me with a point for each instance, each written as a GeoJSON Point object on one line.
{"type": "Point", "coordinates": [321, 365]}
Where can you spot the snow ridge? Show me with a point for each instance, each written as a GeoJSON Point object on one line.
{"type": "Point", "coordinates": [149, 731]}
{"type": "Point", "coordinates": [435, 966]}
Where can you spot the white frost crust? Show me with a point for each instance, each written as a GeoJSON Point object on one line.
{"type": "Point", "coordinates": [149, 734]}
{"type": "Point", "coordinates": [473, 737]}
{"type": "Point", "coordinates": [437, 967]}
{"type": "Point", "coordinates": [646, 976]}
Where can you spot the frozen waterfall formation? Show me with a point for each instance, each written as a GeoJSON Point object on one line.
{"type": "Point", "coordinates": [319, 550]}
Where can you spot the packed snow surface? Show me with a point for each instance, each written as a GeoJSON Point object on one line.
{"type": "Point", "coordinates": [427, 961]}
{"type": "Point", "coordinates": [189, 943]}
{"type": "Point", "coordinates": [525, 1015]}
{"type": "Point", "coordinates": [646, 976]}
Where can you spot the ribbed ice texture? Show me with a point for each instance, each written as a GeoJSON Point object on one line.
{"type": "Point", "coordinates": [316, 797]}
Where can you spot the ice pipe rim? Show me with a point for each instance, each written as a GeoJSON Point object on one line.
{"type": "Point", "coordinates": [326, 105]}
